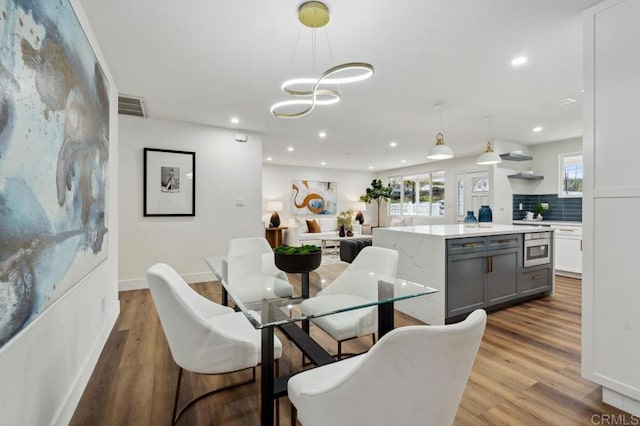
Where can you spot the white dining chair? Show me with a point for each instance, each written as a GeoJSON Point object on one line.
{"type": "Point", "coordinates": [203, 336]}
{"type": "Point", "coordinates": [357, 284]}
{"type": "Point", "coordinates": [414, 375]}
{"type": "Point", "coordinates": [252, 257]}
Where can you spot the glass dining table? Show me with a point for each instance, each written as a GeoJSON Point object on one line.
{"type": "Point", "coordinates": [266, 309]}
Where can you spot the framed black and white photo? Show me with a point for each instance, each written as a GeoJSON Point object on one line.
{"type": "Point", "coordinates": [169, 182]}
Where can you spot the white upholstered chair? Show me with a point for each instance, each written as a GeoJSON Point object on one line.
{"type": "Point", "coordinates": [249, 258]}
{"type": "Point", "coordinates": [353, 286]}
{"type": "Point", "coordinates": [204, 337]}
{"type": "Point", "coordinates": [414, 375]}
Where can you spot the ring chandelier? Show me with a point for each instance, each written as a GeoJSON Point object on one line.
{"type": "Point", "coordinates": [308, 91]}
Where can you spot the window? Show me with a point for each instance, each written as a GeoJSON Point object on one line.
{"type": "Point", "coordinates": [570, 175]}
{"type": "Point", "coordinates": [420, 195]}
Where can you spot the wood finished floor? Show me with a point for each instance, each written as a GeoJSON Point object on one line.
{"type": "Point", "coordinates": [527, 371]}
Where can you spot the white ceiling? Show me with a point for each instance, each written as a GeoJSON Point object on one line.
{"type": "Point", "coordinates": [204, 61]}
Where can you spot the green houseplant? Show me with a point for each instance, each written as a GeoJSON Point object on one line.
{"type": "Point", "coordinates": [377, 192]}
{"type": "Point", "coordinates": [540, 209]}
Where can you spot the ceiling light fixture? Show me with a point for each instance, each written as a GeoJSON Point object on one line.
{"type": "Point", "coordinates": [537, 129]}
{"type": "Point", "coordinates": [518, 61]}
{"type": "Point", "coordinates": [308, 91]}
{"type": "Point", "coordinates": [323, 163]}
{"type": "Point", "coordinates": [290, 149]}
{"type": "Point", "coordinates": [322, 135]}
{"type": "Point", "coordinates": [235, 120]}
{"type": "Point", "coordinates": [269, 158]}
{"type": "Point", "coordinates": [393, 144]}
{"type": "Point", "coordinates": [489, 157]}
{"type": "Point", "coordinates": [440, 151]}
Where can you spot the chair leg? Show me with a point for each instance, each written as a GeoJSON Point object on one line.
{"type": "Point", "coordinates": [339, 351]}
{"type": "Point", "coordinates": [175, 402]}
{"type": "Point", "coordinates": [373, 337]}
{"type": "Point", "coordinates": [209, 393]}
{"type": "Point", "coordinates": [294, 415]}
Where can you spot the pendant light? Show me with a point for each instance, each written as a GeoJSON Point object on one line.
{"type": "Point", "coordinates": [440, 151]}
{"type": "Point", "coordinates": [307, 93]}
{"type": "Point", "coordinates": [489, 157]}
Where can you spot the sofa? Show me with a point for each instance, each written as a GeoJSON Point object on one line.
{"type": "Point", "coordinates": [298, 233]}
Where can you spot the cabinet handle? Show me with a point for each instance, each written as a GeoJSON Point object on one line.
{"type": "Point", "coordinates": [536, 277]}
{"type": "Point", "coordinates": [489, 264]}
{"type": "Point", "coordinates": [505, 241]}
{"type": "Point", "coordinates": [469, 245]}
{"type": "Point", "coordinates": [565, 230]}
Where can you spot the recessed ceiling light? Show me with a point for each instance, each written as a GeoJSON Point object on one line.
{"type": "Point", "coordinates": [394, 143]}
{"type": "Point", "coordinates": [290, 149]}
{"type": "Point", "coordinates": [322, 134]}
{"type": "Point", "coordinates": [235, 120]}
{"type": "Point", "coordinates": [323, 163]}
{"type": "Point", "coordinates": [269, 158]}
{"type": "Point", "coordinates": [403, 161]}
{"type": "Point", "coordinates": [370, 167]}
{"type": "Point", "coordinates": [537, 129]}
{"type": "Point", "coordinates": [518, 61]}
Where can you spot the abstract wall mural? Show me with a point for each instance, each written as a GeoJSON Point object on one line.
{"type": "Point", "coordinates": [54, 151]}
{"type": "Point", "coordinates": [310, 197]}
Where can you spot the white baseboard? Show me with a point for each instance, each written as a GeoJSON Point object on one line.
{"type": "Point", "coordinates": [64, 415]}
{"type": "Point", "coordinates": [623, 402]}
{"type": "Point", "coordinates": [141, 283]}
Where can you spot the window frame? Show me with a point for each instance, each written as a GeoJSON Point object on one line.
{"type": "Point", "coordinates": [561, 174]}
{"type": "Point", "coordinates": [440, 176]}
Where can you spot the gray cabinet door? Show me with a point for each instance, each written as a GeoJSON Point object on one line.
{"type": "Point", "coordinates": [465, 283]}
{"type": "Point", "coordinates": [534, 280]}
{"type": "Point", "coordinates": [502, 275]}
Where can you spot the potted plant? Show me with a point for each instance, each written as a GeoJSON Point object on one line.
{"type": "Point", "coordinates": [539, 210]}
{"type": "Point", "coordinates": [345, 222]}
{"type": "Point", "coordinates": [295, 260]}
{"type": "Point", "coordinates": [377, 193]}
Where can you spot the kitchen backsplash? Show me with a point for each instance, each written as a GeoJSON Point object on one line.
{"type": "Point", "coordinates": [560, 209]}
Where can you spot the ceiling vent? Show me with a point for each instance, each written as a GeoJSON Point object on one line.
{"type": "Point", "coordinates": [132, 105]}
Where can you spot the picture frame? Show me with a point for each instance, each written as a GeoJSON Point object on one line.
{"type": "Point", "coordinates": [169, 182]}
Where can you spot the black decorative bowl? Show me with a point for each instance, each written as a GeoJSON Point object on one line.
{"type": "Point", "coordinates": [298, 263]}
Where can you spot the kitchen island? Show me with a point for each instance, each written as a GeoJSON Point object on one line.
{"type": "Point", "coordinates": [471, 267]}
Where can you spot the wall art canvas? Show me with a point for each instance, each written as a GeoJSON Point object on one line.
{"type": "Point", "coordinates": [313, 197]}
{"type": "Point", "coordinates": [169, 182]}
{"type": "Point", "coordinates": [54, 152]}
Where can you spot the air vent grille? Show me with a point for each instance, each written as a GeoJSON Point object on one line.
{"type": "Point", "coordinates": [132, 105]}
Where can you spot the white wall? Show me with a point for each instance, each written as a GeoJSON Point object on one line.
{"type": "Point", "coordinates": [226, 170]}
{"type": "Point", "coordinates": [276, 185]}
{"type": "Point", "coordinates": [45, 368]}
{"type": "Point", "coordinates": [545, 162]}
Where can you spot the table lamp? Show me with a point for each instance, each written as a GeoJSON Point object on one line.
{"type": "Point", "coordinates": [359, 206]}
{"type": "Point", "coordinates": [275, 206]}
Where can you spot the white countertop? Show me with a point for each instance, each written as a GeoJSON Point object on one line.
{"type": "Point", "coordinates": [458, 231]}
